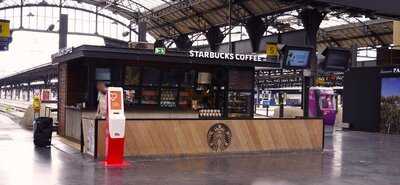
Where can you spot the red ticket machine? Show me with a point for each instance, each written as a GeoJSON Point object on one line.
{"type": "Point", "coordinates": [115, 131]}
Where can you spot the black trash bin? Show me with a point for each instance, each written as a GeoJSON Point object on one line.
{"type": "Point", "coordinates": [42, 130]}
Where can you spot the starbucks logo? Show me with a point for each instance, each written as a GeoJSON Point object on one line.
{"type": "Point", "coordinates": [219, 137]}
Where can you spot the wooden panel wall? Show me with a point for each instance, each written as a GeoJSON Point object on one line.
{"type": "Point", "coordinates": [189, 137]}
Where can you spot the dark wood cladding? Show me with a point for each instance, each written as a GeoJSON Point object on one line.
{"type": "Point", "coordinates": [62, 95]}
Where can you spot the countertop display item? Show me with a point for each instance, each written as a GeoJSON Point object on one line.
{"type": "Point", "coordinates": [131, 97]}
{"type": "Point", "coordinates": [168, 97]}
{"type": "Point", "coordinates": [185, 99]}
{"type": "Point", "coordinates": [210, 113]}
{"type": "Point", "coordinates": [149, 97]}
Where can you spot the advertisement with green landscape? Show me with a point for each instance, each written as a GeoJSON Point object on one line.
{"type": "Point", "coordinates": [390, 105]}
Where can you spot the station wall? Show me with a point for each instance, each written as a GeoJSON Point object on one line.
{"type": "Point", "coordinates": [361, 99]}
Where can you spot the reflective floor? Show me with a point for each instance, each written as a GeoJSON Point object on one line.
{"type": "Point", "coordinates": [349, 158]}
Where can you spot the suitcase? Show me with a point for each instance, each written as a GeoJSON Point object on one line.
{"type": "Point", "coordinates": [42, 130]}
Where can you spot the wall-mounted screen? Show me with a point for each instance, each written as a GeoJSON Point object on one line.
{"type": "Point", "coordinates": [390, 105]}
{"type": "Point", "coordinates": [336, 59]}
{"type": "Point", "coordinates": [296, 57]}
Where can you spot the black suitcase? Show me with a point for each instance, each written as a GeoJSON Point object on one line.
{"type": "Point", "coordinates": [42, 130]}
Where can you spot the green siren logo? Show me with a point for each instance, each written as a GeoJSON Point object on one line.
{"type": "Point", "coordinates": [219, 137]}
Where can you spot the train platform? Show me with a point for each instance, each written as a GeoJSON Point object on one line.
{"type": "Point", "coordinates": [349, 158]}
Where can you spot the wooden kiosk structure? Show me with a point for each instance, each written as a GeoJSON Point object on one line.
{"type": "Point", "coordinates": [177, 104]}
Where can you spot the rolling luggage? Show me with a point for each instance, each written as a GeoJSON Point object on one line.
{"type": "Point", "coordinates": [42, 130]}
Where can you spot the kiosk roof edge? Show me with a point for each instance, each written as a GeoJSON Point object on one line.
{"type": "Point", "coordinates": [89, 51]}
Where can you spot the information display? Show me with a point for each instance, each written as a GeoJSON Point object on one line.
{"type": "Point", "coordinates": [5, 34]}
{"type": "Point", "coordinates": [4, 28]}
{"type": "Point", "coordinates": [297, 58]}
{"type": "Point", "coordinates": [336, 59]}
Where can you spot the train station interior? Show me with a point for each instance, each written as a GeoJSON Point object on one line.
{"type": "Point", "coordinates": [199, 92]}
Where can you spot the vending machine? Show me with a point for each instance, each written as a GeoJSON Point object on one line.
{"type": "Point", "coordinates": [322, 103]}
{"type": "Point", "coordinates": [115, 132]}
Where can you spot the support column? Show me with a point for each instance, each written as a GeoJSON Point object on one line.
{"type": "Point", "coordinates": [183, 43]}
{"type": "Point", "coordinates": [311, 19]}
{"type": "Point", "coordinates": [142, 29]}
{"type": "Point", "coordinates": [214, 37]}
{"type": "Point", "coordinates": [354, 51]}
{"type": "Point", "coordinates": [62, 42]}
{"type": "Point", "coordinates": [96, 29]}
{"type": "Point", "coordinates": [21, 9]}
{"type": "Point", "coordinates": [256, 28]}
{"type": "Point", "coordinates": [29, 91]}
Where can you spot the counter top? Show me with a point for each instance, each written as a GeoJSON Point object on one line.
{"type": "Point", "coordinates": [144, 115]}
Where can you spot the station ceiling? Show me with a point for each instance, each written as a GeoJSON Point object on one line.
{"type": "Point", "coordinates": [389, 8]}
{"type": "Point", "coordinates": [166, 19]}
{"type": "Point", "coordinates": [362, 34]}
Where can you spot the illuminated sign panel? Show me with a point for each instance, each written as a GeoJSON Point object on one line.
{"type": "Point", "coordinates": [4, 28]}
{"type": "Point", "coordinates": [225, 56]}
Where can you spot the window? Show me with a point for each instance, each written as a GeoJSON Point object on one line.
{"type": "Point", "coordinates": [103, 74]}
{"type": "Point", "coordinates": [151, 76]}
{"type": "Point", "coordinates": [240, 80]}
{"type": "Point", "coordinates": [132, 75]}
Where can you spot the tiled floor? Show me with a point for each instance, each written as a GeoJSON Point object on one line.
{"type": "Point", "coordinates": [349, 158]}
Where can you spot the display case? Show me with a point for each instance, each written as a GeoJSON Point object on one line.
{"type": "Point", "coordinates": [170, 78]}
{"type": "Point", "coordinates": [149, 96]}
{"type": "Point", "coordinates": [131, 97]}
{"type": "Point", "coordinates": [185, 98]}
{"type": "Point", "coordinates": [151, 76]}
{"type": "Point", "coordinates": [239, 104]}
{"type": "Point", "coordinates": [212, 93]}
{"type": "Point", "coordinates": [168, 97]}
{"type": "Point", "coordinates": [132, 76]}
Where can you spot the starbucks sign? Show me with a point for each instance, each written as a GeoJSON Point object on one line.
{"type": "Point", "coordinates": [225, 56]}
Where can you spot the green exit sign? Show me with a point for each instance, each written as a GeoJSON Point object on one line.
{"type": "Point", "coordinates": [159, 51]}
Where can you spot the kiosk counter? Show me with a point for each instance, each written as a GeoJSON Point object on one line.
{"type": "Point", "coordinates": [177, 104]}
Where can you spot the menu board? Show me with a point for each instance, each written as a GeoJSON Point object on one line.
{"type": "Point", "coordinates": [239, 104]}
{"type": "Point", "coordinates": [240, 80]}
{"type": "Point", "coordinates": [149, 97]}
